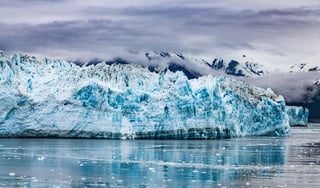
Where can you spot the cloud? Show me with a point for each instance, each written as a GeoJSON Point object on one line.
{"type": "Point", "coordinates": [90, 35]}
{"type": "Point", "coordinates": [295, 87]}
{"type": "Point", "coordinates": [69, 28]}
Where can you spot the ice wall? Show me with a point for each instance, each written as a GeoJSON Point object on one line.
{"type": "Point", "coordinates": [54, 98]}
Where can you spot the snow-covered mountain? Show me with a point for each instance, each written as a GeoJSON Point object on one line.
{"type": "Point", "coordinates": [56, 98]}
{"type": "Point", "coordinates": [304, 67]}
{"type": "Point", "coordinates": [311, 66]}
{"type": "Point", "coordinates": [308, 65]}
{"type": "Point", "coordinates": [160, 62]}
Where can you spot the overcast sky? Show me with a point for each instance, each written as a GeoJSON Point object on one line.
{"type": "Point", "coordinates": [271, 32]}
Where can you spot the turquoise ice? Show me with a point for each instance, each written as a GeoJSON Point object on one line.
{"type": "Point", "coordinates": [297, 115]}
{"type": "Point", "coordinates": [55, 98]}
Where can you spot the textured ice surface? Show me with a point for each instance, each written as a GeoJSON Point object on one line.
{"type": "Point", "coordinates": [297, 115]}
{"type": "Point", "coordinates": [54, 98]}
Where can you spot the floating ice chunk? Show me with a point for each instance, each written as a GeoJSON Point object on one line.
{"type": "Point", "coordinates": [297, 115]}
{"type": "Point", "coordinates": [41, 158]}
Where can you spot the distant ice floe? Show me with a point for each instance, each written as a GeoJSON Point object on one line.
{"type": "Point", "coordinates": [297, 115]}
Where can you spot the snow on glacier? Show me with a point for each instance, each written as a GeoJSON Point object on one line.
{"type": "Point", "coordinates": [297, 115]}
{"type": "Point", "coordinates": [55, 98]}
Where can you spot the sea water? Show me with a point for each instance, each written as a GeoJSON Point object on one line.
{"type": "Point", "coordinates": [241, 162]}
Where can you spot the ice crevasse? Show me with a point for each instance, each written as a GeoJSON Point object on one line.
{"type": "Point", "coordinates": [55, 98]}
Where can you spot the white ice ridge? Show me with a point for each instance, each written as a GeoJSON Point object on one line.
{"type": "Point", "coordinates": [55, 98]}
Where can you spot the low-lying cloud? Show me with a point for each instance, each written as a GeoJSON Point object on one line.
{"type": "Point", "coordinates": [295, 87]}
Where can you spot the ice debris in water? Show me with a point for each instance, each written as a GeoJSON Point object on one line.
{"type": "Point", "coordinates": [297, 115]}
{"type": "Point", "coordinates": [55, 98]}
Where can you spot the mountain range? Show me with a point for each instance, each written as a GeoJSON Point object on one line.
{"type": "Point", "coordinates": [160, 62]}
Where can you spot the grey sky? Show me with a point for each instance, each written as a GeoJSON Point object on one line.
{"type": "Point", "coordinates": [270, 32]}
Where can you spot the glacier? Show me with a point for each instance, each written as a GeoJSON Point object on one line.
{"type": "Point", "coordinates": [297, 115]}
{"type": "Point", "coordinates": [56, 98]}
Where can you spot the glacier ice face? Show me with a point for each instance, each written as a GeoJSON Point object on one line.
{"type": "Point", "coordinates": [55, 98]}
{"type": "Point", "coordinates": [297, 115]}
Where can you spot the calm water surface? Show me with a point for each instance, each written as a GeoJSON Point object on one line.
{"type": "Point", "coordinates": [244, 162]}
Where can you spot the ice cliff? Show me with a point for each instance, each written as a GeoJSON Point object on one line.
{"type": "Point", "coordinates": [55, 98]}
{"type": "Point", "coordinates": [297, 115]}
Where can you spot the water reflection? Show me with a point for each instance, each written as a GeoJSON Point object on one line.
{"type": "Point", "coordinates": [141, 163]}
